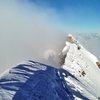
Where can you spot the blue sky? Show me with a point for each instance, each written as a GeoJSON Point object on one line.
{"type": "Point", "coordinates": [78, 15]}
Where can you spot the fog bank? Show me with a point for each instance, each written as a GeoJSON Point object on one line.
{"type": "Point", "coordinates": [27, 32]}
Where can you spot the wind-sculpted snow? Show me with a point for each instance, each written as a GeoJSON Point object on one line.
{"type": "Point", "coordinates": [36, 81]}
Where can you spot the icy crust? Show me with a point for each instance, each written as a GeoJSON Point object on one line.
{"type": "Point", "coordinates": [36, 81]}
{"type": "Point", "coordinates": [83, 65]}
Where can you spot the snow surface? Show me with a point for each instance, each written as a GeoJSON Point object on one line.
{"type": "Point", "coordinates": [35, 81]}
{"type": "Point", "coordinates": [77, 79]}
{"type": "Point", "coordinates": [82, 64]}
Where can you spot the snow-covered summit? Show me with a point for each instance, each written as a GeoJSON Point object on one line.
{"type": "Point", "coordinates": [83, 65]}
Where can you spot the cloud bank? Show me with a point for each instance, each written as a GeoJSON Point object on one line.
{"type": "Point", "coordinates": [26, 32]}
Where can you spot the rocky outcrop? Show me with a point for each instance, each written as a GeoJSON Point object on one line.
{"type": "Point", "coordinates": [98, 64]}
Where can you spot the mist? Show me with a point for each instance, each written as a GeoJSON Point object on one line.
{"type": "Point", "coordinates": [28, 32]}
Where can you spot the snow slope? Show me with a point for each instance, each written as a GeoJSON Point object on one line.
{"type": "Point", "coordinates": [82, 64]}
{"type": "Point", "coordinates": [35, 81]}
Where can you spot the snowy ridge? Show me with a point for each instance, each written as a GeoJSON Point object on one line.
{"type": "Point", "coordinates": [82, 64]}
{"type": "Point", "coordinates": [91, 41]}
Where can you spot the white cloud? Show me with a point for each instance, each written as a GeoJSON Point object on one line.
{"type": "Point", "coordinates": [26, 32]}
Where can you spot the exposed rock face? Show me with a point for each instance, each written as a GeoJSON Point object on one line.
{"type": "Point", "coordinates": [78, 47]}
{"type": "Point", "coordinates": [98, 64]}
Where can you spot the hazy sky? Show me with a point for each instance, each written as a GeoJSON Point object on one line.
{"type": "Point", "coordinates": [75, 15]}
{"type": "Point", "coordinates": [29, 29]}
